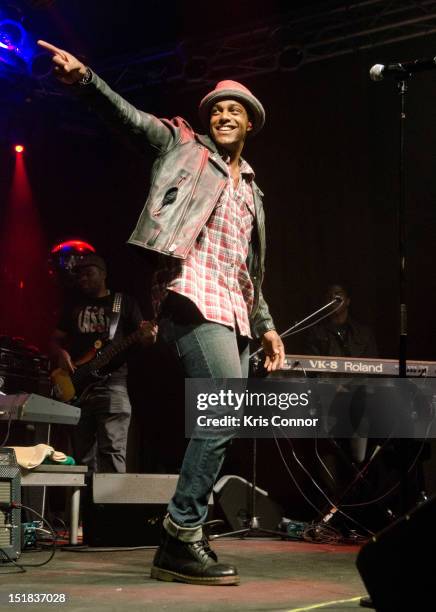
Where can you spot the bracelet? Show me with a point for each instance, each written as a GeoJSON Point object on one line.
{"type": "Point", "coordinates": [86, 78]}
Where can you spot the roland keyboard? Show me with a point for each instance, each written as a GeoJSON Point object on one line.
{"type": "Point", "coordinates": [355, 366]}
{"type": "Point", "coordinates": [37, 409]}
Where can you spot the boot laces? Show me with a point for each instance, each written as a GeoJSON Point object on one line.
{"type": "Point", "coordinates": [203, 549]}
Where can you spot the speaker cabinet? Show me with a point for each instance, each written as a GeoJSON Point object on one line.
{"type": "Point", "coordinates": [396, 564]}
{"type": "Point", "coordinates": [234, 497]}
{"type": "Point", "coordinates": [10, 519]}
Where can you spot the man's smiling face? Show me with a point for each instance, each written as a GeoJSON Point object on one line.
{"type": "Point", "coordinates": [229, 124]}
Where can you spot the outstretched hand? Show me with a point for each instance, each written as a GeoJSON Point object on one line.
{"type": "Point", "coordinates": [67, 68]}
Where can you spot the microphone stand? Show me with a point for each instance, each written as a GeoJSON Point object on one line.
{"type": "Point", "coordinates": [402, 80]}
{"type": "Point", "coordinates": [402, 85]}
{"type": "Point", "coordinates": [402, 365]}
{"type": "Point", "coordinates": [253, 523]}
{"type": "Point", "coordinates": [320, 311]}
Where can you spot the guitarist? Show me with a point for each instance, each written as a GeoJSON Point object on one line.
{"type": "Point", "coordinates": [100, 438]}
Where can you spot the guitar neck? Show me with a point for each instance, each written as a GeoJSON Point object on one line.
{"type": "Point", "coordinates": [112, 350]}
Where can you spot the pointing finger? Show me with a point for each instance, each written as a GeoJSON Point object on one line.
{"type": "Point", "coordinates": [49, 47]}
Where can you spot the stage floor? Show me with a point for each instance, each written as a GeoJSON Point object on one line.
{"type": "Point", "coordinates": [275, 575]}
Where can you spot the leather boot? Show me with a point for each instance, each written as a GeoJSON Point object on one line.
{"type": "Point", "coordinates": [190, 562]}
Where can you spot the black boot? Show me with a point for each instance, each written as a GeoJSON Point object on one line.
{"type": "Point", "coordinates": [191, 562]}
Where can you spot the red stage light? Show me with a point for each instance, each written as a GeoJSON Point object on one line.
{"type": "Point", "coordinates": [19, 148]}
{"type": "Point", "coordinates": [75, 245]}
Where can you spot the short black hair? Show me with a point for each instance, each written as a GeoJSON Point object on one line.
{"type": "Point", "coordinates": [343, 284]}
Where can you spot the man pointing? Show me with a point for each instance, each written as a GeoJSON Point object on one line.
{"type": "Point", "coordinates": [204, 221]}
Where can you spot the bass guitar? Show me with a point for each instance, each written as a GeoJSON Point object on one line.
{"type": "Point", "coordinates": [71, 386]}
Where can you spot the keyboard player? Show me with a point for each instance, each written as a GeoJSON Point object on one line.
{"type": "Point", "coordinates": [340, 335]}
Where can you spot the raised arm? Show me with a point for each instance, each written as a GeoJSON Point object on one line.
{"type": "Point", "coordinates": [141, 127]}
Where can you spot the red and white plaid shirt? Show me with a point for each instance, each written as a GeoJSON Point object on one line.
{"type": "Point", "coordinates": [214, 275]}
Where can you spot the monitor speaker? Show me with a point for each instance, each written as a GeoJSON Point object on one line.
{"type": "Point", "coordinates": [127, 509]}
{"type": "Point", "coordinates": [233, 495]}
{"type": "Point", "coordinates": [396, 564]}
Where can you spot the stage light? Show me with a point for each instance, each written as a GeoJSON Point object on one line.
{"type": "Point", "coordinates": [64, 257]}
{"type": "Point", "coordinates": [12, 35]}
{"type": "Point", "coordinates": [19, 148]}
{"type": "Point", "coordinates": [23, 253]}
{"type": "Point", "coordinates": [74, 245]}
{"type": "Point", "coordinates": [18, 50]}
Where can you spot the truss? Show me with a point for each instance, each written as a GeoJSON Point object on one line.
{"type": "Point", "coordinates": [298, 39]}
{"type": "Point", "coordinates": [286, 43]}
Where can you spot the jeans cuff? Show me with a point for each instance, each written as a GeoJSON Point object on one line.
{"type": "Point", "coordinates": [185, 534]}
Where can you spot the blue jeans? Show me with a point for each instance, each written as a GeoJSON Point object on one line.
{"type": "Point", "coordinates": [206, 350]}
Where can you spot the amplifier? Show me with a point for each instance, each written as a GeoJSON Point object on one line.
{"type": "Point", "coordinates": [19, 382]}
{"type": "Point", "coordinates": [10, 520]}
{"type": "Point", "coordinates": [24, 370]}
{"type": "Point", "coordinates": [24, 361]}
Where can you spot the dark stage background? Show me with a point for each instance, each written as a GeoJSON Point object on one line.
{"type": "Point", "coordinates": [327, 162]}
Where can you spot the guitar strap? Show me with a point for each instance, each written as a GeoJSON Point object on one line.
{"type": "Point", "coordinates": [115, 315]}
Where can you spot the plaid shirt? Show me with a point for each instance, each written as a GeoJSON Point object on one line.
{"type": "Point", "coordinates": [214, 275]}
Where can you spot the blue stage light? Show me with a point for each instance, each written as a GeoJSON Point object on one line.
{"type": "Point", "coordinates": [12, 35]}
{"type": "Point", "coordinates": [18, 50]}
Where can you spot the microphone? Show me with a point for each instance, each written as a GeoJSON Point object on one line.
{"type": "Point", "coordinates": [338, 298]}
{"type": "Point", "coordinates": [401, 69]}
